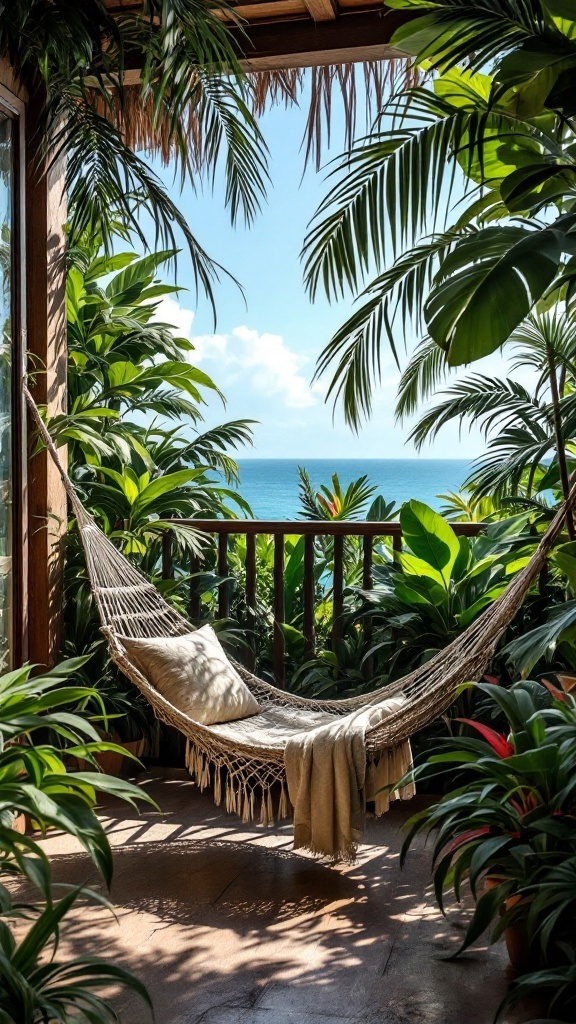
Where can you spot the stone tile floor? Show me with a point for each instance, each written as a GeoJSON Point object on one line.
{"type": "Point", "coordinates": [226, 925]}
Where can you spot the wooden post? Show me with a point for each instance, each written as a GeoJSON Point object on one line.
{"type": "Point", "coordinates": [46, 342]}
{"type": "Point", "coordinates": [309, 595]}
{"type": "Point", "coordinates": [251, 596]}
{"type": "Point", "coordinates": [338, 592]}
{"type": "Point", "coordinates": [367, 552]}
{"type": "Point", "coordinates": [195, 605]}
{"type": "Point", "coordinates": [223, 594]}
{"type": "Point", "coordinates": [167, 566]}
{"type": "Point", "coordinates": [279, 612]}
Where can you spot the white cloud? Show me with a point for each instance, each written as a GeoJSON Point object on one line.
{"type": "Point", "coordinates": [171, 312]}
{"type": "Point", "coordinates": [261, 361]}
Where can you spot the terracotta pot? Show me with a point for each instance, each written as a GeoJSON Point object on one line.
{"type": "Point", "coordinates": [20, 824]}
{"type": "Point", "coordinates": [137, 748]}
{"type": "Point", "coordinates": [515, 935]}
{"type": "Point", "coordinates": [111, 762]}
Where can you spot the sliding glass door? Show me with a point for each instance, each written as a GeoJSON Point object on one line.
{"type": "Point", "coordinates": [7, 319]}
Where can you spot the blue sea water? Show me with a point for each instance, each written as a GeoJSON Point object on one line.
{"type": "Point", "coordinates": [270, 486]}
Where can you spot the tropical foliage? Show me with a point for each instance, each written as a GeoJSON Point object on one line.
{"type": "Point", "coordinates": [137, 451]}
{"type": "Point", "coordinates": [192, 99]}
{"type": "Point", "coordinates": [421, 598]}
{"type": "Point", "coordinates": [509, 821]}
{"type": "Point", "coordinates": [36, 985]}
{"type": "Point", "coordinates": [461, 201]}
{"type": "Point", "coordinates": [529, 432]}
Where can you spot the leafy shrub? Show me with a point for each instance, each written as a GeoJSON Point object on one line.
{"type": "Point", "coordinates": [35, 985]}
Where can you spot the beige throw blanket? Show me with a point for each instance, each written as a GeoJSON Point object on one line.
{"type": "Point", "coordinates": [329, 783]}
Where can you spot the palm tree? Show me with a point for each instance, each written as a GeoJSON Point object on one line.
{"type": "Point", "coordinates": [502, 145]}
{"type": "Point", "coordinates": [192, 103]}
{"type": "Point", "coordinates": [523, 428]}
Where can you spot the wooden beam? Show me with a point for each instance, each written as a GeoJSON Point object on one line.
{"type": "Point", "coordinates": [268, 10]}
{"type": "Point", "coordinates": [321, 10]}
{"type": "Point", "coordinates": [347, 39]}
{"type": "Point", "coordinates": [299, 43]}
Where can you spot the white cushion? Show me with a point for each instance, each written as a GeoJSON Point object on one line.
{"type": "Point", "coordinates": [194, 674]}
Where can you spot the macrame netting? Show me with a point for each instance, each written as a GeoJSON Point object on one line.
{"type": "Point", "coordinates": [245, 772]}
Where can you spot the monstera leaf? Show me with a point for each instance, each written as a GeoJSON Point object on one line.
{"type": "Point", "coordinates": [487, 286]}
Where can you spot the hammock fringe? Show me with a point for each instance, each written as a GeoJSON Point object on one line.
{"type": "Point", "coordinates": [242, 784]}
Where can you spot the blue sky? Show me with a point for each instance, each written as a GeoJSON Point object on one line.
{"type": "Point", "coordinates": [263, 350]}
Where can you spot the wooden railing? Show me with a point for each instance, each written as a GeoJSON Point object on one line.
{"type": "Point", "coordinates": [223, 529]}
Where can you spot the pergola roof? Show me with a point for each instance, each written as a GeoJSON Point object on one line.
{"type": "Point", "coordinates": [304, 33]}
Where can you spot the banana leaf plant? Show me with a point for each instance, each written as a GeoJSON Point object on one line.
{"type": "Point", "coordinates": [439, 584]}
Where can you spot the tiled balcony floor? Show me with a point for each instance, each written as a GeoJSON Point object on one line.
{"type": "Point", "coordinates": [226, 925]}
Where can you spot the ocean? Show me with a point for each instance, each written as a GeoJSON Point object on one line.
{"type": "Point", "coordinates": [270, 486]}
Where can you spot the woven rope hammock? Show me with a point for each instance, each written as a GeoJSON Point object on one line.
{"type": "Point", "coordinates": [229, 756]}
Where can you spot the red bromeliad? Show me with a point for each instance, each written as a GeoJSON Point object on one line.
{"type": "Point", "coordinates": [500, 745]}
{"type": "Point", "coordinates": [466, 837]}
{"type": "Point", "coordinates": [556, 693]}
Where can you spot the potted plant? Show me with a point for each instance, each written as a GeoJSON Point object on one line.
{"type": "Point", "coordinates": [512, 818]}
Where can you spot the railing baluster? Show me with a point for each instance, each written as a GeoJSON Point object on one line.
{"type": "Point", "coordinates": [195, 605]}
{"type": "Point", "coordinates": [223, 592]}
{"type": "Point", "coordinates": [167, 566]}
{"type": "Point", "coordinates": [309, 595]}
{"type": "Point", "coordinates": [367, 551]}
{"type": "Point", "coordinates": [397, 546]}
{"type": "Point", "coordinates": [310, 530]}
{"type": "Point", "coordinates": [279, 646]}
{"type": "Point", "coordinates": [338, 591]}
{"type": "Point", "coordinates": [367, 562]}
{"type": "Point", "coordinates": [251, 596]}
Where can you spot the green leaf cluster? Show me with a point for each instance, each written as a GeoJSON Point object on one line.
{"type": "Point", "coordinates": [462, 200]}
{"type": "Point", "coordinates": [192, 103]}
{"type": "Point", "coordinates": [35, 984]}
{"type": "Point", "coordinates": [506, 829]}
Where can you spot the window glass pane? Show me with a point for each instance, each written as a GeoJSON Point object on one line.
{"type": "Point", "coordinates": [6, 478]}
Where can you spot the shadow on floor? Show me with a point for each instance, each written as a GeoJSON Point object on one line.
{"type": "Point", "coordinates": [226, 925]}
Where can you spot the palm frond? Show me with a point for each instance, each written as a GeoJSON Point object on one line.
{"type": "Point", "coordinates": [427, 369]}
{"type": "Point", "coordinates": [464, 32]}
{"type": "Point", "coordinates": [356, 348]}
{"type": "Point", "coordinates": [487, 402]}
{"type": "Point", "coordinates": [388, 190]}
{"type": "Point", "coordinates": [511, 460]}
{"type": "Point", "coordinates": [544, 334]}
{"type": "Point", "coordinates": [102, 174]}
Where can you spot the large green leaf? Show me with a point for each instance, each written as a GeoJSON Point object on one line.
{"type": "Point", "coordinates": [163, 485]}
{"type": "Point", "coordinates": [430, 537]}
{"type": "Point", "coordinates": [541, 642]}
{"type": "Point", "coordinates": [487, 286]}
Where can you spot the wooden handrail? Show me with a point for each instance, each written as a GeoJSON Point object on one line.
{"type": "Point", "coordinates": [223, 529]}
{"type": "Point", "coordinates": [316, 527]}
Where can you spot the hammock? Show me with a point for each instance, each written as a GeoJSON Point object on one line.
{"type": "Point", "coordinates": [252, 760]}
